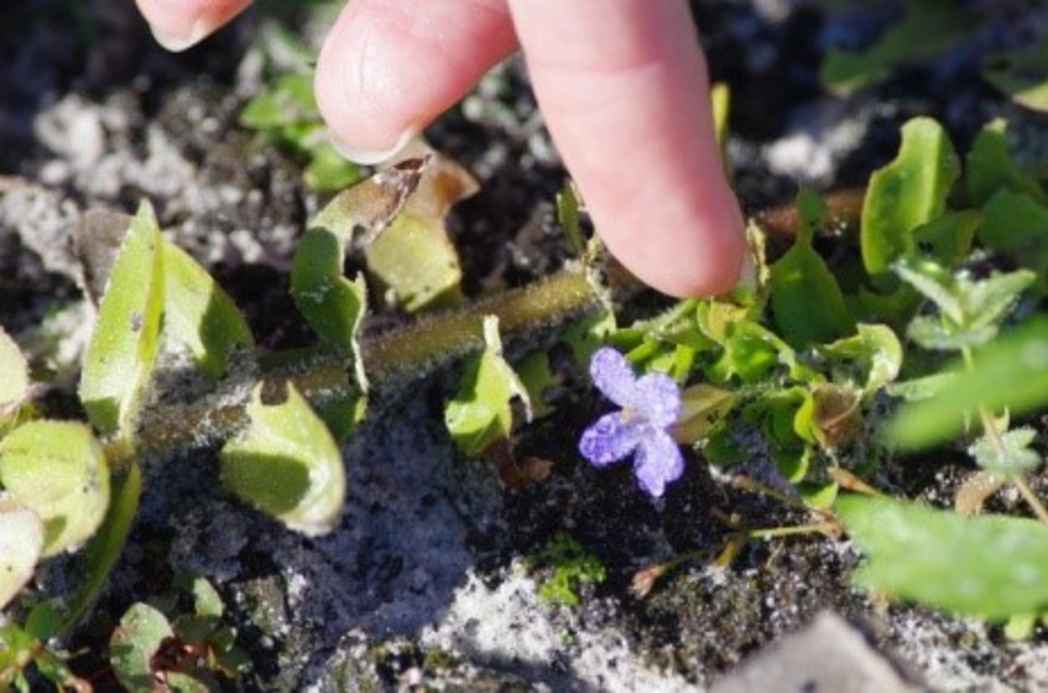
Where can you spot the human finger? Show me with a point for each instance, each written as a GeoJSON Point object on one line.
{"type": "Point", "coordinates": [624, 89]}
{"type": "Point", "coordinates": [181, 24]}
{"type": "Point", "coordinates": [388, 67]}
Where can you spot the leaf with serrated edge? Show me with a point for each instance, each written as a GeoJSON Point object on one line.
{"type": "Point", "coordinates": [21, 543]}
{"type": "Point", "coordinates": [124, 345]}
{"type": "Point", "coordinates": [286, 463]}
{"type": "Point", "coordinates": [988, 566]}
{"type": "Point", "coordinates": [1007, 454]}
{"type": "Point", "coordinates": [58, 470]}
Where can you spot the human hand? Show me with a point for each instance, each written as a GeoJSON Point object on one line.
{"type": "Point", "coordinates": [622, 84]}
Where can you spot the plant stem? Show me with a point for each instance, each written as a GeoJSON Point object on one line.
{"type": "Point", "coordinates": [1031, 499]}
{"type": "Point", "coordinates": [773, 532]}
{"type": "Point", "coordinates": [392, 360]}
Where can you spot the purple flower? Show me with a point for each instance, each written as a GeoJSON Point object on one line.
{"type": "Point", "coordinates": [650, 405]}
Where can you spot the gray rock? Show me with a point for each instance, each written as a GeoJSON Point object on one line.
{"type": "Point", "coordinates": [829, 655]}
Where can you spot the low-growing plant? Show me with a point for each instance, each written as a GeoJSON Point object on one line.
{"type": "Point", "coordinates": [782, 384]}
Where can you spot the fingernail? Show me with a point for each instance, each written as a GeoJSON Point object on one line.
{"type": "Point", "coordinates": [177, 42]}
{"type": "Point", "coordinates": [370, 157]}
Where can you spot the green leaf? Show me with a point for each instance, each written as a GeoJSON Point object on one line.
{"type": "Point", "coordinates": [949, 238]}
{"type": "Point", "coordinates": [937, 334]}
{"type": "Point", "coordinates": [929, 28]}
{"type": "Point", "coordinates": [1009, 373]}
{"type": "Point", "coordinates": [971, 310]}
{"type": "Point", "coordinates": [481, 413]}
{"type": "Point", "coordinates": [329, 171]}
{"type": "Point", "coordinates": [935, 283]}
{"type": "Point", "coordinates": [44, 620]}
{"type": "Point", "coordinates": [568, 218]}
{"type": "Point", "coordinates": [588, 334]}
{"type": "Point", "coordinates": [57, 470]}
{"type": "Point", "coordinates": [126, 339]}
{"type": "Point", "coordinates": [287, 114]}
{"type": "Point", "coordinates": [134, 643]}
{"type": "Point", "coordinates": [991, 167]}
{"type": "Point", "coordinates": [906, 193]}
{"type": "Point", "coordinates": [990, 566]}
{"type": "Point", "coordinates": [103, 551]}
{"type": "Point", "coordinates": [290, 100]}
{"type": "Point", "coordinates": [1017, 225]}
{"type": "Point", "coordinates": [1021, 75]}
{"type": "Point", "coordinates": [14, 376]}
{"type": "Point", "coordinates": [819, 496]}
{"type": "Point", "coordinates": [415, 260]}
{"type": "Point", "coordinates": [806, 300]}
{"type": "Point", "coordinates": [21, 545]}
{"type": "Point", "coordinates": [286, 463]}
{"type": "Point", "coordinates": [753, 352]}
{"type": "Point", "coordinates": [206, 599]}
{"type": "Point", "coordinates": [920, 388]}
{"type": "Point", "coordinates": [572, 565]}
{"type": "Point", "coordinates": [333, 305]}
{"type": "Point", "coordinates": [1007, 454]}
{"type": "Point", "coordinates": [414, 257]}
{"type": "Point", "coordinates": [874, 355]}
{"type": "Point", "coordinates": [703, 407]}
{"type": "Point", "coordinates": [988, 301]}
{"type": "Point", "coordinates": [535, 373]}
{"type": "Point", "coordinates": [199, 315]}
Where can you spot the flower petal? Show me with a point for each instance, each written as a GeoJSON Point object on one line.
{"type": "Point", "coordinates": [609, 439]}
{"type": "Point", "coordinates": [657, 462]}
{"type": "Point", "coordinates": [613, 376]}
{"type": "Point", "coordinates": [657, 398]}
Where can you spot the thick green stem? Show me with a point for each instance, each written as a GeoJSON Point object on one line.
{"type": "Point", "coordinates": [391, 360]}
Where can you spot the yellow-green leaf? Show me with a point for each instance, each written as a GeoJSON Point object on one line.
{"type": "Point", "coordinates": [906, 193]}
{"type": "Point", "coordinates": [481, 412]}
{"type": "Point", "coordinates": [991, 167]}
{"type": "Point", "coordinates": [414, 259]}
{"type": "Point", "coordinates": [990, 566]}
{"type": "Point", "coordinates": [199, 315]}
{"type": "Point", "coordinates": [21, 543]}
{"type": "Point", "coordinates": [14, 380]}
{"type": "Point", "coordinates": [124, 345]}
{"type": "Point", "coordinates": [286, 463]}
{"type": "Point", "coordinates": [58, 470]}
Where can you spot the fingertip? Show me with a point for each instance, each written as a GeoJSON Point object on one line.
{"type": "Point", "coordinates": [178, 25]}
{"type": "Point", "coordinates": [703, 254]}
{"type": "Point", "coordinates": [387, 68]}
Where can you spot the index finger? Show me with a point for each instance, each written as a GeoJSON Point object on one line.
{"type": "Point", "coordinates": [624, 89]}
